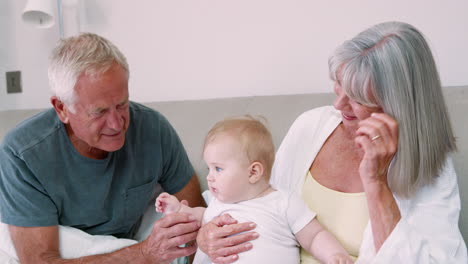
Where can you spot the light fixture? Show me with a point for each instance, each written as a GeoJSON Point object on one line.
{"type": "Point", "coordinates": [40, 13]}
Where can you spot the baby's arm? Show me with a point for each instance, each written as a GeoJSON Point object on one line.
{"type": "Point", "coordinates": [322, 244]}
{"type": "Point", "coordinates": [167, 204]}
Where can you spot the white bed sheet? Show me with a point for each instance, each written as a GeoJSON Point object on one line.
{"type": "Point", "coordinates": [75, 243]}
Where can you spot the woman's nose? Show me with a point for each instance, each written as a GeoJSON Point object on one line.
{"type": "Point", "coordinates": [341, 100]}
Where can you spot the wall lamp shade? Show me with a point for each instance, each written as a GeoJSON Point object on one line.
{"type": "Point", "coordinates": [39, 13]}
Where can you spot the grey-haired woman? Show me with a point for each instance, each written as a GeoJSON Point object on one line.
{"type": "Point", "coordinates": [376, 166]}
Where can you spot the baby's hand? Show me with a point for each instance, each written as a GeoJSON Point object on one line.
{"type": "Point", "coordinates": [340, 258]}
{"type": "Point", "coordinates": [166, 203]}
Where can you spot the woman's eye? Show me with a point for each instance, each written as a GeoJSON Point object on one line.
{"type": "Point", "coordinates": [218, 169]}
{"type": "Point", "coordinates": [355, 102]}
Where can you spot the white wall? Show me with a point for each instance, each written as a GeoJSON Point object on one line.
{"type": "Point", "coordinates": [26, 49]}
{"type": "Point", "coordinates": [193, 49]}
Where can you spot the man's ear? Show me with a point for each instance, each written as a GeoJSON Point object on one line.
{"type": "Point", "coordinates": [60, 109]}
{"type": "Point", "coordinates": [255, 172]}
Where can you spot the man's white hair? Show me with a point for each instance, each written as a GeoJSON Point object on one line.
{"type": "Point", "coordinates": [86, 54]}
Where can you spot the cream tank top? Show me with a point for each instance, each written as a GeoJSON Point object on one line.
{"type": "Point", "coordinates": [345, 215]}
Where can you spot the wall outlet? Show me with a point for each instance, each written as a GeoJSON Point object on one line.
{"type": "Point", "coordinates": [13, 79]}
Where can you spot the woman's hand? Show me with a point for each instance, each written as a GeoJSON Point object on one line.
{"type": "Point", "coordinates": [219, 241]}
{"type": "Point", "coordinates": [377, 136]}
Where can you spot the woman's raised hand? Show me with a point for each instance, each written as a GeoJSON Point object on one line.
{"type": "Point", "coordinates": [377, 136]}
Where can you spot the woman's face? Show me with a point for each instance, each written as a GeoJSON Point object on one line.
{"type": "Point", "coordinates": [351, 111]}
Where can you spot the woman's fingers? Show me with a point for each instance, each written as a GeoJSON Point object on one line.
{"type": "Point", "coordinates": [375, 129]}
{"type": "Point", "coordinates": [222, 242]}
{"type": "Point", "coordinates": [380, 129]}
{"type": "Point", "coordinates": [391, 124]}
{"type": "Point", "coordinates": [377, 136]}
{"type": "Point", "coordinates": [224, 219]}
{"type": "Point", "coordinates": [230, 254]}
{"type": "Point", "coordinates": [228, 235]}
{"type": "Point", "coordinates": [233, 229]}
{"type": "Point", "coordinates": [226, 260]}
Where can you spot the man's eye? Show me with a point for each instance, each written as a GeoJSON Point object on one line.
{"type": "Point", "coordinates": [98, 113]}
{"type": "Point", "coordinates": [122, 105]}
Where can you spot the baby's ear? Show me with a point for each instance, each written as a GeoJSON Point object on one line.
{"type": "Point", "coordinates": [255, 172]}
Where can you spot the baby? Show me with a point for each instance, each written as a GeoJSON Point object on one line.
{"type": "Point", "coordinates": [240, 154]}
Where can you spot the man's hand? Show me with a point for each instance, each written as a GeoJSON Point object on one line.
{"type": "Point", "coordinates": [168, 233]}
{"type": "Point", "coordinates": [218, 240]}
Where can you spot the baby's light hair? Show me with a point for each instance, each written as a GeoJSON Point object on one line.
{"type": "Point", "coordinates": [254, 137]}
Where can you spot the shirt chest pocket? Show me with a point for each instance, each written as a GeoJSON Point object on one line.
{"type": "Point", "coordinates": [137, 199]}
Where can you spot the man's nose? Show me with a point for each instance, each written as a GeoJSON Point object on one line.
{"type": "Point", "coordinates": [114, 120]}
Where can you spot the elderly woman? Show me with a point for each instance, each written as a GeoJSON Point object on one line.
{"type": "Point", "coordinates": [376, 166]}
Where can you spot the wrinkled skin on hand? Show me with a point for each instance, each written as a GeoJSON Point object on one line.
{"type": "Point", "coordinates": [168, 233]}
{"type": "Point", "coordinates": [377, 136]}
{"type": "Point", "coordinates": [218, 240]}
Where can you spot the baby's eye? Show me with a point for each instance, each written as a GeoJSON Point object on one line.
{"type": "Point", "coordinates": [218, 169]}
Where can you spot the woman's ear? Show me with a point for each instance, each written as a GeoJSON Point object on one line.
{"type": "Point", "coordinates": [255, 172]}
{"type": "Point", "coordinates": [60, 109]}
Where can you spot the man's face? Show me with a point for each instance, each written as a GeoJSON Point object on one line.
{"type": "Point", "coordinates": [101, 115]}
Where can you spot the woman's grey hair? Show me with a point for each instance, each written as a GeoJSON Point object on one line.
{"type": "Point", "coordinates": [87, 54]}
{"type": "Point", "coordinates": [391, 65]}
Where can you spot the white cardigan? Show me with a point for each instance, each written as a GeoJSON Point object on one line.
{"type": "Point", "coordinates": [428, 230]}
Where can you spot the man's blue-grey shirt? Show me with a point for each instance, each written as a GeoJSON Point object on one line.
{"type": "Point", "coordinates": [44, 181]}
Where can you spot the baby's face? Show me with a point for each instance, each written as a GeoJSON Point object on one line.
{"type": "Point", "coordinates": [228, 176]}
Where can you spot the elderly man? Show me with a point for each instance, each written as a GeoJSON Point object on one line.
{"type": "Point", "coordinates": [93, 162]}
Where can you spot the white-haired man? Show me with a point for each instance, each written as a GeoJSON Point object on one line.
{"type": "Point", "coordinates": [93, 162]}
